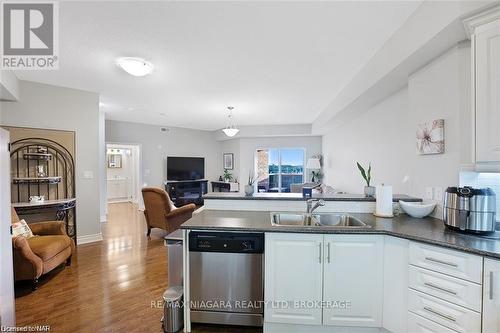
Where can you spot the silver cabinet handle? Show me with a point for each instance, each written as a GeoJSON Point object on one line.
{"type": "Point", "coordinates": [319, 247]}
{"type": "Point", "coordinates": [328, 255]}
{"type": "Point", "coordinates": [431, 285]}
{"type": "Point", "coordinates": [491, 284]}
{"type": "Point", "coordinates": [439, 314]}
{"type": "Point", "coordinates": [452, 264]}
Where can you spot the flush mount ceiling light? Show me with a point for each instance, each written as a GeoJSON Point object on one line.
{"type": "Point", "coordinates": [230, 129]}
{"type": "Point", "coordinates": [135, 66]}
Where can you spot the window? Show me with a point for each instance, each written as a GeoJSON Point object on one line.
{"type": "Point", "coordinates": [278, 168]}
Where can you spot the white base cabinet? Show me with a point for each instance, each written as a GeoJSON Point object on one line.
{"type": "Point", "coordinates": [293, 277]}
{"type": "Point", "coordinates": [373, 283]}
{"type": "Point", "coordinates": [491, 296]}
{"type": "Point", "coordinates": [353, 280]}
{"type": "Point", "coordinates": [306, 284]}
{"type": "Point", "coordinates": [418, 324]}
{"type": "Point", "coordinates": [395, 302]}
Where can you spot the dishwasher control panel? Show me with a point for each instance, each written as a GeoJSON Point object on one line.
{"type": "Point", "coordinates": [229, 242]}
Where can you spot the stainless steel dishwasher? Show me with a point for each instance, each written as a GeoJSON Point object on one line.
{"type": "Point", "coordinates": [226, 277]}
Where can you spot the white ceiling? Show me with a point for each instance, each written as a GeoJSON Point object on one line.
{"type": "Point", "coordinates": [276, 62]}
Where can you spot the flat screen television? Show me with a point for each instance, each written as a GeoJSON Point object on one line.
{"type": "Point", "coordinates": [185, 168]}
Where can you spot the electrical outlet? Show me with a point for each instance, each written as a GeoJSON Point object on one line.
{"type": "Point", "coordinates": [438, 193]}
{"type": "Point", "coordinates": [429, 193]}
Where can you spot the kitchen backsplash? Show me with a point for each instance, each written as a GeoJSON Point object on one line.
{"type": "Point", "coordinates": [480, 180]}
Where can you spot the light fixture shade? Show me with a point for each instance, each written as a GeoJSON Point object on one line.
{"type": "Point", "coordinates": [135, 66]}
{"type": "Point", "coordinates": [313, 163]}
{"type": "Point", "coordinates": [230, 131]}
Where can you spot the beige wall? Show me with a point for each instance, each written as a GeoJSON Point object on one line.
{"type": "Point", "coordinates": [51, 107]}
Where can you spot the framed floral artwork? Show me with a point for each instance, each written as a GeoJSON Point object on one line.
{"type": "Point", "coordinates": [430, 137]}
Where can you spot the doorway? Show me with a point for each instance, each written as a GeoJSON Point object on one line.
{"type": "Point", "coordinates": [123, 175]}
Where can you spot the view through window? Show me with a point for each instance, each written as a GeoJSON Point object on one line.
{"type": "Point", "coordinates": [277, 168]}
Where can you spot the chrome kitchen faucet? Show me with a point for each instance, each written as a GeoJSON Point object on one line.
{"type": "Point", "coordinates": [311, 208]}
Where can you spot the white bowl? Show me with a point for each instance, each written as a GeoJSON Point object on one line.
{"type": "Point", "coordinates": [417, 209]}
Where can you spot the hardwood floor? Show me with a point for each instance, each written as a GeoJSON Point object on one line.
{"type": "Point", "coordinates": [111, 286]}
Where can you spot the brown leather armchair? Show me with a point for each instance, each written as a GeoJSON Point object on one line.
{"type": "Point", "coordinates": [161, 213]}
{"type": "Point", "coordinates": [38, 255]}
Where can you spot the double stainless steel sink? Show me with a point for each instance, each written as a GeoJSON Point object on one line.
{"type": "Point", "coordinates": [320, 219]}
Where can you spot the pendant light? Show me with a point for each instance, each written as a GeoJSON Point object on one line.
{"type": "Point", "coordinates": [230, 129]}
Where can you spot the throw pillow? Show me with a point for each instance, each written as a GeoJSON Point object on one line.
{"type": "Point", "coordinates": [21, 228]}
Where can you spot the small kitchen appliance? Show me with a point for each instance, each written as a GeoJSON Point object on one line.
{"type": "Point", "coordinates": [470, 209]}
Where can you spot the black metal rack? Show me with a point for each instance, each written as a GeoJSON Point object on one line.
{"type": "Point", "coordinates": [56, 182]}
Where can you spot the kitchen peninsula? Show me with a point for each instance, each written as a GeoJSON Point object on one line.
{"type": "Point", "coordinates": [411, 275]}
{"type": "Point", "coordinates": [348, 203]}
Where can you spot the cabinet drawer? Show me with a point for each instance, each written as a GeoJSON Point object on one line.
{"type": "Point", "coordinates": [457, 291]}
{"type": "Point", "coordinates": [450, 315]}
{"type": "Point", "coordinates": [418, 324]}
{"type": "Point", "coordinates": [455, 263]}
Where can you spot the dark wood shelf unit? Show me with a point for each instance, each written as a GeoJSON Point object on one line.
{"type": "Point", "coordinates": [183, 192]}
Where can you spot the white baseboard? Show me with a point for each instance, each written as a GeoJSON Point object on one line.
{"type": "Point", "coordinates": [89, 239]}
{"type": "Point", "coordinates": [104, 218]}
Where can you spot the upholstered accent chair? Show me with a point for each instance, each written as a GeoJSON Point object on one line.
{"type": "Point", "coordinates": [160, 211]}
{"type": "Point", "coordinates": [38, 255]}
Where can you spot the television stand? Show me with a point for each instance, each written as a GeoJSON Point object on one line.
{"type": "Point", "coordinates": [183, 192]}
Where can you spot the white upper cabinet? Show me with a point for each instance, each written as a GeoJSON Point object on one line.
{"type": "Point", "coordinates": [484, 30]}
{"type": "Point", "coordinates": [487, 63]}
{"type": "Point", "coordinates": [491, 296]}
{"type": "Point", "coordinates": [293, 278]}
{"type": "Point", "coordinates": [353, 280]}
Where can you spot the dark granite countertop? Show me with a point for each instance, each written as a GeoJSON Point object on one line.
{"type": "Point", "coordinates": [428, 230]}
{"type": "Point", "coordinates": [299, 197]}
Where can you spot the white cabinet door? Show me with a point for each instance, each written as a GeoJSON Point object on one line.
{"type": "Point", "coordinates": [293, 278]}
{"type": "Point", "coordinates": [395, 276]}
{"type": "Point", "coordinates": [487, 91]}
{"type": "Point", "coordinates": [491, 296]}
{"type": "Point", "coordinates": [353, 280]}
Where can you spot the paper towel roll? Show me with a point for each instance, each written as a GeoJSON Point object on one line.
{"type": "Point", "coordinates": [384, 201]}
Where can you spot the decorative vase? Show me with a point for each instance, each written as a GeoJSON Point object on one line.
{"type": "Point", "coordinates": [370, 191]}
{"type": "Point", "coordinates": [248, 190]}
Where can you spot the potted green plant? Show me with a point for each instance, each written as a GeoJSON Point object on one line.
{"type": "Point", "coordinates": [249, 187]}
{"type": "Point", "coordinates": [227, 176]}
{"type": "Point", "coordinates": [367, 176]}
